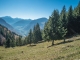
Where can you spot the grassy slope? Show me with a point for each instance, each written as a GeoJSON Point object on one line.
{"type": "Point", "coordinates": [67, 51]}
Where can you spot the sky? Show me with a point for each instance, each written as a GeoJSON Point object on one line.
{"type": "Point", "coordinates": [33, 9]}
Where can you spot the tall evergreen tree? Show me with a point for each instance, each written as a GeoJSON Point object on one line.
{"type": "Point", "coordinates": [63, 17]}
{"type": "Point", "coordinates": [64, 20]}
{"type": "Point", "coordinates": [29, 39]}
{"type": "Point", "coordinates": [53, 26]}
{"type": "Point", "coordinates": [76, 14]}
{"type": "Point", "coordinates": [17, 42]}
{"type": "Point", "coordinates": [34, 35]}
{"type": "Point", "coordinates": [25, 41]}
{"type": "Point", "coordinates": [13, 42]}
{"type": "Point", "coordinates": [8, 42]}
{"type": "Point", "coordinates": [37, 33]}
{"type": "Point", "coordinates": [71, 21]}
{"type": "Point", "coordinates": [20, 41]}
{"type": "Point", "coordinates": [45, 33]}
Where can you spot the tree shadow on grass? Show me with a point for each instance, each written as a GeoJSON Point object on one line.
{"type": "Point", "coordinates": [31, 45]}
{"type": "Point", "coordinates": [61, 43]}
{"type": "Point", "coordinates": [64, 42]}
{"type": "Point", "coordinates": [78, 39]}
{"type": "Point", "coordinates": [41, 41]}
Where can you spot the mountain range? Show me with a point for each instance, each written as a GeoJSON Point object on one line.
{"type": "Point", "coordinates": [21, 26]}
{"type": "Point", "coordinates": [3, 22]}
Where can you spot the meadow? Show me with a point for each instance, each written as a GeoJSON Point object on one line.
{"type": "Point", "coordinates": [44, 51]}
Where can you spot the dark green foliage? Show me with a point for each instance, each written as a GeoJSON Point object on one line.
{"type": "Point", "coordinates": [63, 17]}
{"type": "Point", "coordinates": [8, 41]}
{"type": "Point", "coordinates": [25, 41]}
{"type": "Point", "coordinates": [73, 21]}
{"type": "Point", "coordinates": [13, 43]}
{"type": "Point", "coordinates": [29, 39]}
{"type": "Point", "coordinates": [7, 37]}
{"type": "Point", "coordinates": [36, 34]}
{"type": "Point", "coordinates": [64, 25]}
{"type": "Point", "coordinates": [54, 29]}
{"type": "Point", "coordinates": [46, 33]}
{"type": "Point", "coordinates": [70, 19]}
{"type": "Point", "coordinates": [17, 42]}
{"type": "Point", "coordinates": [20, 41]}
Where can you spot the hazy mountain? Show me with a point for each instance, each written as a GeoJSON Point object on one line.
{"type": "Point", "coordinates": [10, 20]}
{"type": "Point", "coordinates": [41, 22]}
{"type": "Point", "coordinates": [2, 22]}
{"type": "Point", "coordinates": [22, 22]}
{"type": "Point", "coordinates": [22, 26]}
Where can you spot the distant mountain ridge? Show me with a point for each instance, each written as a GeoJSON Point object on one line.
{"type": "Point", "coordinates": [3, 22]}
{"type": "Point", "coordinates": [41, 22]}
{"type": "Point", "coordinates": [10, 20]}
{"type": "Point", "coordinates": [24, 25]}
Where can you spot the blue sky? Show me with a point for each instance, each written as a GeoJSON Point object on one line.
{"type": "Point", "coordinates": [33, 9]}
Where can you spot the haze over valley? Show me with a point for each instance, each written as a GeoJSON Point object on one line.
{"type": "Point", "coordinates": [22, 26]}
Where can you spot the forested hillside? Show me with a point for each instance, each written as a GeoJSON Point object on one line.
{"type": "Point", "coordinates": [7, 37]}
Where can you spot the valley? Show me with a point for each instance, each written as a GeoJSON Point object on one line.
{"type": "Point", "coordinates": [22, 26]}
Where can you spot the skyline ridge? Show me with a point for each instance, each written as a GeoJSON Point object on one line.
{"type": "Point", "coordinates": [21, 18]}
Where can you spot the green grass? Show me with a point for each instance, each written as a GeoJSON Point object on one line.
{"type": "Point", "coordinates": [67, 51]}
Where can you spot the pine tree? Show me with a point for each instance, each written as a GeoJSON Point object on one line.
{"type": "Point", "coordinates": [29, 40]}
{"type": "Point", "coordinates": [70, 23]}
{"type": "Point", "coordinates": [17, 42]}
{"type": "Point", "coordinates": [76, 23]}
{"type": "Point", "coordinates": [45, 33]}
{"type": "Point", "coordinates": [78, 9]}
{"type": "Point", "coordinates": [51, 29]}
{"type": "Point", "coordinates": [63, 17]}
{"type": "Point", "coordinates": [54, 29]}
{"type": "Point", "coordinates": [34, 35]}
{"type": "Point", "coordinates": [37, 34]}
{"type": "Point", "coordinates": [20, 41]}
{"type": "Point", "coordinates": [13, 43]}
{"type": "Point", "coordinates": [25, 41]}
{"type": "Point", "coordinates": [64, 21]}
{"type": "Point", "coordinates": [8, 42]}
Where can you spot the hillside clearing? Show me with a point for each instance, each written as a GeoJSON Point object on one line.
{"type": "Point", "coordinates": [60, 51]}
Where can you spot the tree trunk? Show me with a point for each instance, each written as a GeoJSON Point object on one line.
{"type": "Point", "coordinates": [52, 42]}
{"type": "Point", "coordinates": [64, 39]}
